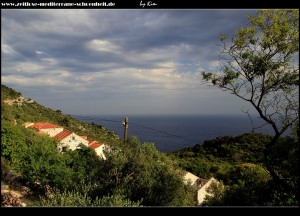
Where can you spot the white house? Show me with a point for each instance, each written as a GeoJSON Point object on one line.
{"type": "Point", "coordinates": [200, 185]}
{"type": "Point", "coordinates": [28, 124]}
{"type": "Point", "coordinates": [191, 179]}
{"type": "Point", "coordinates": [70, 139]}
{"type": "Point", "coordinates": [66, 138]}
{"type": "Point", "coordinates": [98, 147]}
{"type": "Point", "coordinates": [202, 191]}
{"type": "Point", "coordinates": [46, 128]}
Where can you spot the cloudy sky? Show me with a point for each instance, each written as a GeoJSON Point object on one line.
{"type": "Point", "coordinates": [118, 61]}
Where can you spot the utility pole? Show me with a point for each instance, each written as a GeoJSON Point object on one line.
{"type": "Point", "coordinates": [125, 124]}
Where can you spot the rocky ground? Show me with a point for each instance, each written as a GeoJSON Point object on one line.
{"type": "Point", "coordinates": [15, 196]}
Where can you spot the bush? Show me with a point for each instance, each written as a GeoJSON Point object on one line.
{"type": "Point", "coordinates": [77, 199]}
{"type": "Point", "coordinates": [248, 186]}
{"type": "Point", "coordinates": [41, 163]}
{"type": "Point", "coordinates": [12, 142]}
{"type": "Point", "coordinates": [84, 165]}
{"type": "Point", "coordinates": [144, 174]}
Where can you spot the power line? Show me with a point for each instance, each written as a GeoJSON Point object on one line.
{"type": "Point", "coordinates": [139, 125]}
{"type": "Point", "coordinates": [170, 134]}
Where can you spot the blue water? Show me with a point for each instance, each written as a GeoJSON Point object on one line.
{"type": "Point", "coordinates": [170, 133]}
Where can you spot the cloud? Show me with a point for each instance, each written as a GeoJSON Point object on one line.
{"type": "Point", "coordinates": [107, 56]}
{"type": "Point", "coordinates": [7, 50]}
{"type": "Point", "coordinates": [102, 46]}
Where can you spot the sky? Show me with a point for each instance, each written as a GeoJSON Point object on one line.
{"type": "Point", "coordinates": [118, 61]}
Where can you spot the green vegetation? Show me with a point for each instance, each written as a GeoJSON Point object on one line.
{"type": "Point", "coordinates": [134, 174]}
{"type": "Point", "coordinates": [259, 67]}
{"type": "Point", "coordinates": [144, 174]}
{"type": "Point", "coordinates": [254, 169]}
{"type": "Point", "coordinates": [216, 157]}
{"type": "Point", "coordinates": [137, 174]}
{"type": "Point", "coordinates": [248, 183]}
{"type": "Point", "coordinates": [34, 112]}
{"type": "Point", "coordinates": [77, 199]}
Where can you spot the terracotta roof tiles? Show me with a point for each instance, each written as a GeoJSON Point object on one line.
{"type": "Point", "coordinates": [95, 145]}
{"type": "Point", "coordinates": [65, 133]}
{"type": "Point", "coordinates": [91, 142]}
{"type": "Point", "coordinates": [62, 135]}
{"type": "Point", "coordinates": [84, 137]}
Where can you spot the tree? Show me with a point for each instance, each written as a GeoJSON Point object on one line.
{"type": "Point", "coordinates": [142, 174]}
{"type": "Point", "coordinates": [12, 142]}
{"type": "Point", "coordinates": [259, 67]}
{"type": "Point", "coordinates": [285, 159]}
{"type": "Point", "coordinates": [40, 164]}
{"type": "Point", "coordinates": [79, 197]}
{"type": "Point", "coordinates": [248, 187]}
{"type": "Point", "coordinates": [84, 164]}
{"type": "Point", "coordinates": [216, 191]}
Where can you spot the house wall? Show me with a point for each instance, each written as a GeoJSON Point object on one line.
{"type": "Point", "coordinates": [73, 141]}
{"type": "Point", "coordinates": [202, 191]}
{"type": "Point", "coordinates": [100, 152]}
{"type": "Point", "coordinates": [28, 124]}
{"type": "Point", "coordinates": [191, 178]}
{"type": "Point", "coordinates": [52, 131]}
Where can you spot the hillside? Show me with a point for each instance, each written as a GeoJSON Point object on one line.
{"type": "Point", "coordinates": [239, 163]}
{"type": "Point", "coordinates": [217, 156]}
{"type": "Point", "coordinates": [133, 174]}
{"type": "Point", "coordinates": [16, 108]}
{"type": "Point", "coordinates": [136, 174]}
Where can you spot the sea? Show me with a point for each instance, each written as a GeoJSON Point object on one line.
{"type": "Point", "coordinates": [174, 132]}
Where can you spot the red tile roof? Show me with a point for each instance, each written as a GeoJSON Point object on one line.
{"type": "Point", "coordinates": [95, 145]}
{"type": "Point", "coordinates": [84, 137]}
{"type": "Point", "coordinates": [44, 125]}
{"type": "Point", "coordinates": [91, 141]}
{"type": "Point", "coordinates": [65, 133]}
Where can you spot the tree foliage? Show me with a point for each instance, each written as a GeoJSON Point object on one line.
{"type": "Point", "coordinates": [260, 66]}
{"type": "Point", "coordinates": [251, 185]}
{"type": "Point", "coordinates": [85, 165]}
{"type": "Point", "coordinates": [81, 198]}
{"type": "Point", "coordinates": [133, 174]}
{"type": "Point", "coordinates": [12, 142]}
{"type": "Point", "coordinates": [42, 163]}
{"type": "Point", "coordinates": [34, 112]}
{"type": "Point", "coordinates": [217, 156]}
{"type": "Point", "coordinates": [238, 163]}
{"type": "Point", "coordinates": [248, 187]}
{"type": "Point", "coordinates": [216, 194]}
{"type": "Point", "coordinates": [143, 173]}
